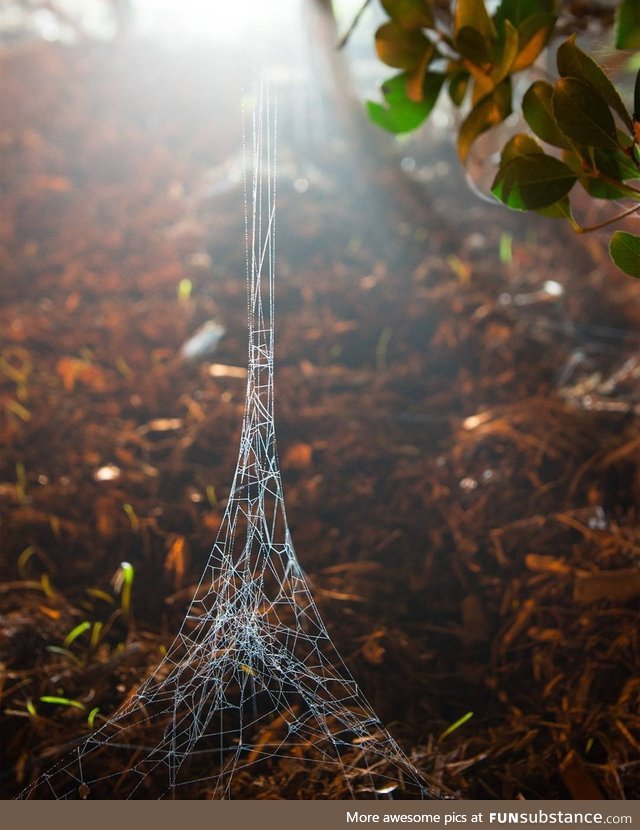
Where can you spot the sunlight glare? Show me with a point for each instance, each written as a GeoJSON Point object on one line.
{"type": "Point", "coordinates": [217, 20]}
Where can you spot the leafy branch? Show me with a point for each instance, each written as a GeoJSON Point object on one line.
{"type": "Point", "coordinates": [588, 136]}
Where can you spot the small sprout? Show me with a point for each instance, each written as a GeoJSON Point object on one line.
{"type": "Point", "coordinates": [122, 582]}
{"type": "Point", "coordinates": [456, 725]}
{"type": "Point", "coordinates": [21, 482]}
{"type": "Point", "coordinates": [248, 670]}
{"type": "Point", "coordinates": [54, 524]}
{"type": "Point", "coordinates": [211, 495]}
{"type": "Point", "coordinates": [95, 634]}
{"type": "Point", "coordinates": [46, 585]}
{"type": "Point", "coordinates": [98, 594]}
{"type": "Point", "coordinates": [382, 348]}
{"type": "Point", "coordinates": [335, 351]}
{"type": "Point", "coordinates": [505, 248]}
{"type": "Point", "coordinates": [31, 709]}
{"type": "Point", "coordinates": [185, 287]}
{"type": "Point", "coordinates": [92, 716]}
{"type": "Point", "coordinates": [133, 518]}
{"type": "Point", "coordinates": [65, 653]}
{"type": "Point", "coordinates": [19, 370]}
{"type": "Point", "coordinates": [24, 557]}
{"type": "Point", "coordinates": [588, 746]}
{"type": "Point", "coordinates": [75, 633]}
{"type": "Point", "coordinates": [18, 410]}
{"type": "Point", "coordinates": [123, 367]}
{"type": "Point", "coordinates": [459, 268]}
{"type": "Point", "coordinates": [62, 701]}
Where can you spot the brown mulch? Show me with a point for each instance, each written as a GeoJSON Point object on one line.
{"type": "Point", "coordinates": [460, 449]}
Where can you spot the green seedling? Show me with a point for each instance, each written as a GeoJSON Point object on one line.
{"type": "Point", "coordinates": [31, 709]}
{"type": "Point", "coordinates": [65, 653]}
{"type": "Point", "coordinates": [212, 498]}
{"type": "Point", "coordinates": [98, 594]}
{"type": "Point", "coordinates": [92, 716]}
{"type": "Point", "coordinates": [73, 635]}
{"type": "Point", "coordinates": [24, 557]}
{"type": "Point", "coordinates": [132, 516]}
{"type": "Point", "coordinates": [382, 347]}
{"type": "Point", "coordinates": [47, 587]}
{"type": "Point", "coordinates": [505, 248]}
{"type": "Point", "coordinates": [16, 365]}
{"type": "Point", "coordinates": [122, 582]}
{"type": "Point", "coordinates": [21, 482]}
{"type": "Point", "coordinates": [185, 288]}
{"type": "Point", "coordinates": [18, 410]}
{"type": "Point", "coordinates": [63, 701]}
{"type": "Point", "coordinates": [123, 367]}
{"type": "Point", "coordinates": [96, 631]}
{"type": "Point", "coordinates": [456, 725]}
{"type": "Point", "coordinates": [459, 268]}
{"type": "Point", "coordinates": [54, 524]}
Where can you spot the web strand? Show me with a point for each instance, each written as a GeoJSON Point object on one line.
{"type": "Point", "coordinates": [252, 682]}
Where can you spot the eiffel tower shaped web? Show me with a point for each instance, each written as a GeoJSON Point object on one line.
{"type": "Point", "coordinates": [252, 685]}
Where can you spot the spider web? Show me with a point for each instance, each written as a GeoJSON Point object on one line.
{"type": "Point", "coordinates": [252, 685]}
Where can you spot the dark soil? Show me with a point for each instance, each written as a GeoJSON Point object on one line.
{"type": "Point", "coordinates": [460, 448]}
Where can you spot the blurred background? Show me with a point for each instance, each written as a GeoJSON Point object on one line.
{"type": "Point", "coordinates": [457, 394]}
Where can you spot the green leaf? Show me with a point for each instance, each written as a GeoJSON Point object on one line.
{"type": "Point", "coordinates": [616, 164]}
{"type": "Point", "coordinates": [538, 113]}
{"type": "Point", "coordinates": [474, 14]}
{"type": "Point", "coordinates": [416, 78]}
{"type": "Point", "coordinates": [488, 112]}
{"type": "Point", "coordinates": [582, 114]}
{"type": "Point", "coordinates": [399, 114]}
{"type": "Point", "coordinates": [533, 181]}
{"type": "Point", "coordinates": [533, 35]}
{"type": "Point", "coordinates": [575, 63]}
{"type": "Point", "coordinates": [458, 85]}
{"type": "Point", "coordinates": [410, 14]}
{"type": "Point", "coordinates": [628, 25]}
{"type": "Point", "coordinates": [473, 45]}
{"type": "Point", "coordinates": [508, 54]}
{"type": "Point", "coordinates": [598, 189]}
{"type": "Point", "coordinates": [625, 252]}
{"type": "Point", "coordinates": [559, 210]}
{"type": "Point", "coordinates": [400, 47]}
{"type": "Point", "coordinates": [523, 144]}
{"type": "Point", "coordinates": [518, 10]}
{"type": "Point", "coordinates": [520, 144]}
{"type": "Point", "coordinates": [431, 86]}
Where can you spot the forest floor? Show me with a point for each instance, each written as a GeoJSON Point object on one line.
{"type": "Point", "coordinates": [457, 415]}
